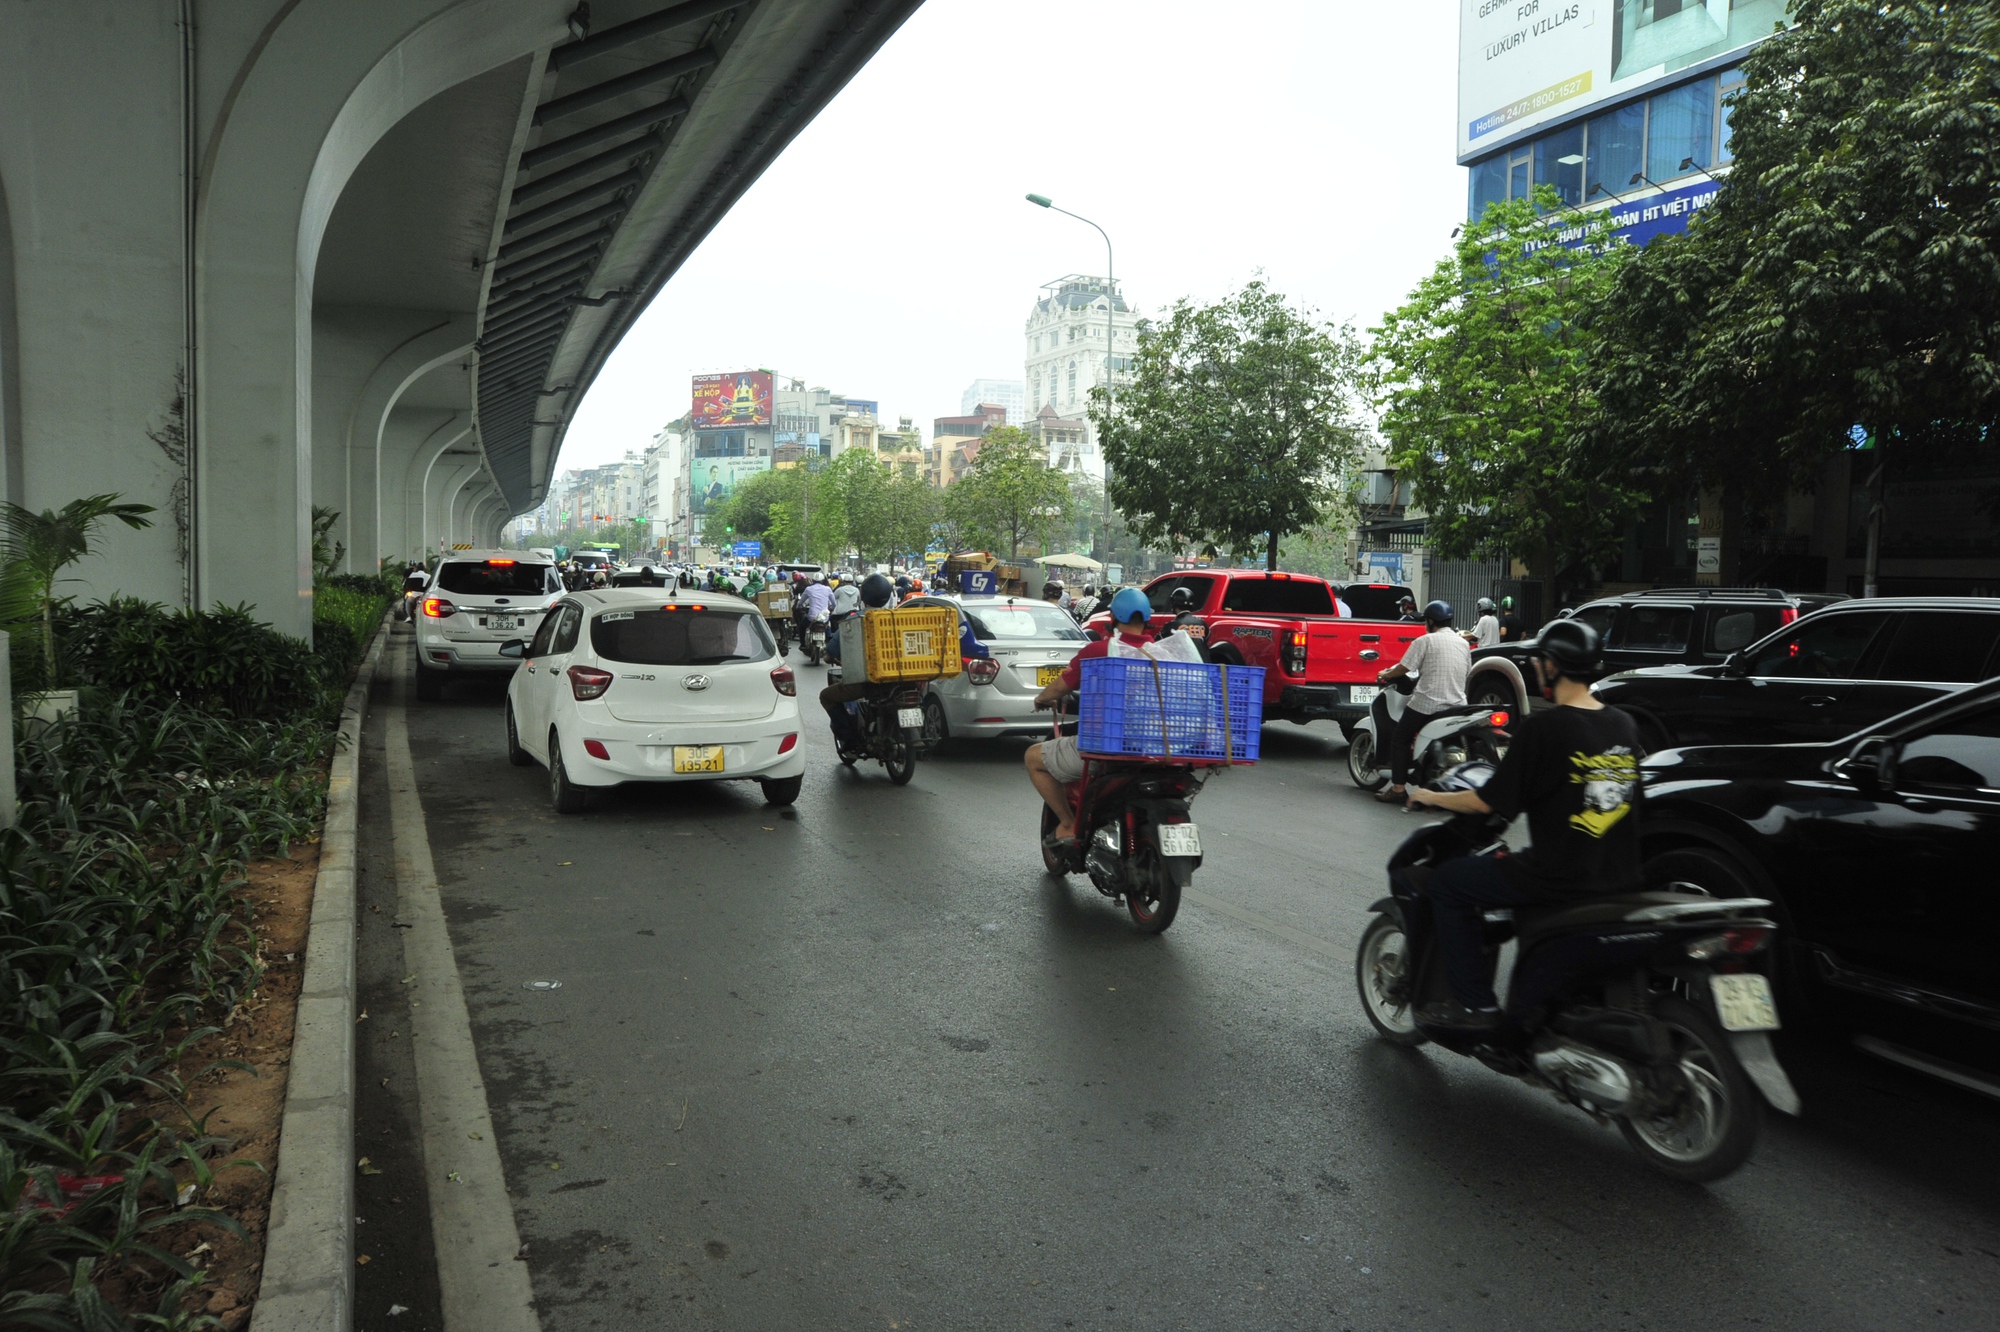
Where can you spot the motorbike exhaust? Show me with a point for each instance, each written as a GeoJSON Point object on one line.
{"type": "Point", "coordinates": [1586, 1075]}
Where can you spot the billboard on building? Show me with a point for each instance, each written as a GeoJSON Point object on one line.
{"type": "Point", "coordinates": [742, 398]}
{"type": "Point", "coordinates": [714, 480]}
{"type": "Point", "coordinates": [1523, 63]}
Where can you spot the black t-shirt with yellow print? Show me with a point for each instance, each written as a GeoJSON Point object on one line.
{"type": "Point", "coordinates": [1575, 771]}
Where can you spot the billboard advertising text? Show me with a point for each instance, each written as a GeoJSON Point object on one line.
{"type": "Point", "coordinates": [715, 479]}
{"type": "Point", "coordinates": [1523, 63]}
{"type": "Point", "coordinates": [733, 400]}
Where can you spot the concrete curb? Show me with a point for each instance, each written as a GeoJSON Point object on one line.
{"type": "Point", "coordinates": [308, 1278]}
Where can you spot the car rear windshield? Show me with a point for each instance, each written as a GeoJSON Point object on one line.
{"type": "Point", "coordinates": [680, 637]}
{"type": "Point", "coordinates": [1373, 601]}
{"type": "Point", "coordinates": [1278, 596]}
{"type": "Point", "coordinates": [494, 580]}
{"type": "Point", "coordinates": [1027, 619]}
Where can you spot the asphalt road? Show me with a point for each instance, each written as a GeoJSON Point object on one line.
{"type": "Point", "coordinates": [862, 1065]}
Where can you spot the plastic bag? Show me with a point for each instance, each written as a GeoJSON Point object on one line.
{"type": "Point", "coordinates": [1175, 646]}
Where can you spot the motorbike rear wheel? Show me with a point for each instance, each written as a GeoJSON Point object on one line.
{"type": "Point", "coordinates": [1155, 900]}
{"type": "Point", "coordinates": [1382, 973]}
{"type": "Point", "coordinates": [1361, 764]}
{"type": "Point", "coordinates": [902, 763]}
{"type": "Point", "coordinates": [1712, 1126]}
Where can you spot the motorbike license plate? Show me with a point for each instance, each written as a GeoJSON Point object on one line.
{"type": "Point", "coordinates": [1743, 1003]}
{"type": "Point", "coordinates": [1047, 675]}
{"type": "Point", "coordinates": [1179, 839]}
{"type": "Point", "coordinates": [697, 758]}
{"type": "Point", "coordinates": [1362, 693]}
{"type": "Point", "coordinates": [909, 716]}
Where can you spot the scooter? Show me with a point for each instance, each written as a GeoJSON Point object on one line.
{"type": "Point", "coordinates": [1647, 1010]}
{"type": "Point", "coordinates": [890, 718]}
{"type": "Point", "coordinates": [1133, 834]}
{"type": "Point", "coordinates": [815, 641]}
{"type": "Point", "coordinates": [1468, 734]}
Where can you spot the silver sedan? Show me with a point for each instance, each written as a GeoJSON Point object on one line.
{"type": "Point", "coordinates": [1031, 641]}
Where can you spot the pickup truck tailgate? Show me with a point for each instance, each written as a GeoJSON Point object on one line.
{"type": "Point", "coordinates": [1355, 651]}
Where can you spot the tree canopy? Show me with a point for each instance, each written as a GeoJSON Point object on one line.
{"type": "Point", "coordinates": [1009, 494]}
{"type": "Point", "coordinates": [1483, 381]}
{"type": "Point", "coordinates": [1238, 426]}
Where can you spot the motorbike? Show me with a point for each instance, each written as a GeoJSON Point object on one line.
{"type": "Point", "coordinates": [1644, 1009]}
{"type": "Point", "coordinates": [1458, 735]}
{"type": "Point", "coordinates": [890, 718]}
{"type": "Point", "coordinates": [1133, 834]}
{"type": "Point", "coordinates": [814, 641]}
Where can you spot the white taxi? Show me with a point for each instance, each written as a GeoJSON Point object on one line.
{"type": "Point", "coordinates": [654, 685]}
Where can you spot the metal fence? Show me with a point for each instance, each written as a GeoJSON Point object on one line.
{"type": "Point", "coordinates": [1463, 583]}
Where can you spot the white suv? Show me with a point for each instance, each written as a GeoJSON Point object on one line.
{"type": "Point", "coordinates": [476, 601]}
{"type": "Point", "coordinates": [650, 685]}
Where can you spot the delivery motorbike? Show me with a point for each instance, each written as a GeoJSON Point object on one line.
{"type": "Point", "coordinates": [890, 720]}
{"type": "Point", "coordinates": [1646, 1010]}
{"type": "Point", "coordinates": [1457, 735]}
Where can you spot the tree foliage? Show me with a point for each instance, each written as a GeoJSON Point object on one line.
{"type": "Point", "coordinates": [37, 548]}
{"type": "Point", "coordinates": [1009, 494]}
{"type": "Point", "coordinates": [1845, 273]}
{"type": "Point", "coordinates": [1483, 378]}
{"type": "Point", "coordinates": [1238, 426]}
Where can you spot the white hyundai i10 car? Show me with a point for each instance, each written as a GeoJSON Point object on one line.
{"type": "Point", "coordinates": [654, 685]}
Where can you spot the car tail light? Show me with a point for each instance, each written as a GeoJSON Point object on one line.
{"type": "Point", "coordinates": [982, 670]}
{"type": "Point", "coordinates": [789, 743]}
{"type": "Point", "coordinates": [1499, 719]}
{"type": "Point", "coordinates": [1787, 615]}
{"type": "Point", "coordinates": [499, 563]}
{"type": "Point", "coordinates": [588, 682]}
{"type": "Point", "coordinates": [1295, 652]}
{"type": "Point", "coordinates": [1740, 940]}
{"type": "Point", "coordinates": [438, 608]}
{"type": "Point", "coordinates": [785, 683]}
{"type": "Point", "coordinates": [596, 749]}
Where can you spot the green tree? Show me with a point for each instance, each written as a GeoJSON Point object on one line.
{"type": "Point", "coordinates": [39, 546]}
{"type": "Point", "coordinates": [1483, 380]}
{"type": "Point", "coordinates": [1009, 494]}
{"type": "Point", "coordinates": [1238, 426]}
{"type": "Point", "coordinates": [1845, 273]}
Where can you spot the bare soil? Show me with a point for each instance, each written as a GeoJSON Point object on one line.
{"type": "Point", "coordinates": [245, 1107]}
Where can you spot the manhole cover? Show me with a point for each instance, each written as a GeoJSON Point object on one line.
{"type": "Point", "coordinates": [542, 985]}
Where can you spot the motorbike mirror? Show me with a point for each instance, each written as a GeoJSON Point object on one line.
{"type": "Point", "coordinates": [514, 647]}
{"type": "Point", "coordinates": [1870, 765]}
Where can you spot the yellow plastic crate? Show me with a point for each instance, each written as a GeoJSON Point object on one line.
{"type": "Point", "coordinates": [912, 643]}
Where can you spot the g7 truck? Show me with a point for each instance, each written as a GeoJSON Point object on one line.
{"type": "Point", "coordinates": [1319, 665]}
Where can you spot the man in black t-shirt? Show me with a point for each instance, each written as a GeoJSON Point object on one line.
{"type": "Point", "coordinates": [1574, 771]}
{"type": "Point", "coordinates": [1510, 623]}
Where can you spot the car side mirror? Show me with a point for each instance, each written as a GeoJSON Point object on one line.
{"type": "Point", "coordinates": [1870, 766]}
{"type": "Point", "coordinates": [514, 647]}
{"type": "Point", "coordinates": [1734, 664]}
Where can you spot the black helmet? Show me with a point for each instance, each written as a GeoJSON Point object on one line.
{"type": "Point", "coordinates": [1574, 647]}
{"type": "Point", "coordinates": [902, 582]}
{"type": "Point", "coordinates": [877, 590]}
{"type": "Point", "coordinates": [1182, 599]}
{"type": "Point", "coordinates": [1438, 614]}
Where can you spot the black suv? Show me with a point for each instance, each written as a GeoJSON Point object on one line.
{"type": "Point", "coordinates": [1666, 626]}
{"type": "Point", "coordinates": [1878, 851]}
{"type": "Point", "coordinates": [1829, 675]}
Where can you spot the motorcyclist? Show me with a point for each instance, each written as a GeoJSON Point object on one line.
{"type": "Point", "coordinates": [1510, 623]}
{"type": "Point", "coordinates": [815, 603]}
{"type": "Point", "coordinates": [1054, 764]}
{"type": "Point", "coordinates": [754, 583]}
{"type": "Point", "coordinates": [1440, 661]}
{"type": "Point", "coordinates": [875, 593]}
{"type": "Point", "coordinates": [1574, 770]}
{"type": "Point", "coordinates": [1406, 610]}
{"type": "Point", "coordinates": [1485, 631]}
{"type": "Point", "coordinates": [903, 592]}
{"type": "Point", "coordinates": [414, 583]}
{"type": "Point", "coordinates": [1054, 593]}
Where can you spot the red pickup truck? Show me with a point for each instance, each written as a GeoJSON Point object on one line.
{"type": "Point", "coordinates": [1318, 664]}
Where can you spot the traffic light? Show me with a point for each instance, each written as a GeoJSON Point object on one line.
{"type": "Point", "coordinates": [728, 528]}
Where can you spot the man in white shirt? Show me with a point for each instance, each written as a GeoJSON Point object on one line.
{"type": "Point", "coordinates": [1485, 631]}
{"type": "Point", "coordinates": [1440, 660]}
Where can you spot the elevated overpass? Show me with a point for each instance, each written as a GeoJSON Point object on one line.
{"type": "Point", "coordinates": [262, 255]}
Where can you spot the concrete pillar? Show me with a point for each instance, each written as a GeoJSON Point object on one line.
{"type": "Point", "coordinates": [412, 439]}
{"type": "Point", "coordinates": [448, 476]}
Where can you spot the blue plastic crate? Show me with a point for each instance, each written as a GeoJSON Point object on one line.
{"type": "Point", "coordinates": [1170, 709]}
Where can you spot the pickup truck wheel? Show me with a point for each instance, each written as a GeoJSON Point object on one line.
{"type": "Point", "coordinates": [1361, 764]}
{"type": "Point", "coordinates": [1494, 692]}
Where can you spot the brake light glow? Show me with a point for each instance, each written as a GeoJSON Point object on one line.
{"type": "Point", "coordinates": [1295, 653]}
{"type": "Point", "coordinates": [438, 608]}
{"type": "Point", "coordinates": [497, 564]}
{"type": "Point", "coordinates": [982, 670]}
{"type": "Point", "coordinates": [1499, 719]}
{"type": "Point", "coordinates": [789, 743]}
{"type": "Point", "coordinates": [1787, 615]}
{"type": "Point", "coordinates": [785, 683]}
{"type": "Point", "coordinates": [596, 749]}
{"type": "Point", "coordinates": [587, 682]}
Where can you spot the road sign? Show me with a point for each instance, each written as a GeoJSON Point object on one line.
{"type": "Point", "coordinates": [747, 550]}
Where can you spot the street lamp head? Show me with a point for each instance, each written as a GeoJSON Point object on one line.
{"type": "Point", "coordinates": [1040, 200]}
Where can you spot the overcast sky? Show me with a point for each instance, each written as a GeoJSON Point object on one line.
{"type": "Point", "coordinates": [889, 253]}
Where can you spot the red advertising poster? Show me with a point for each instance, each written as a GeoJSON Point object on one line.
{"type": "Point", "coordinates": [733, 400]}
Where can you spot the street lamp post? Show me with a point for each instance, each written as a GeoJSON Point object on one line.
{"type": "Point", "coordinates": [1110, 339]}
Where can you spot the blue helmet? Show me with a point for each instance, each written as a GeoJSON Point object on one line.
{"type": "Point", "coordinates": [1130, 602]}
